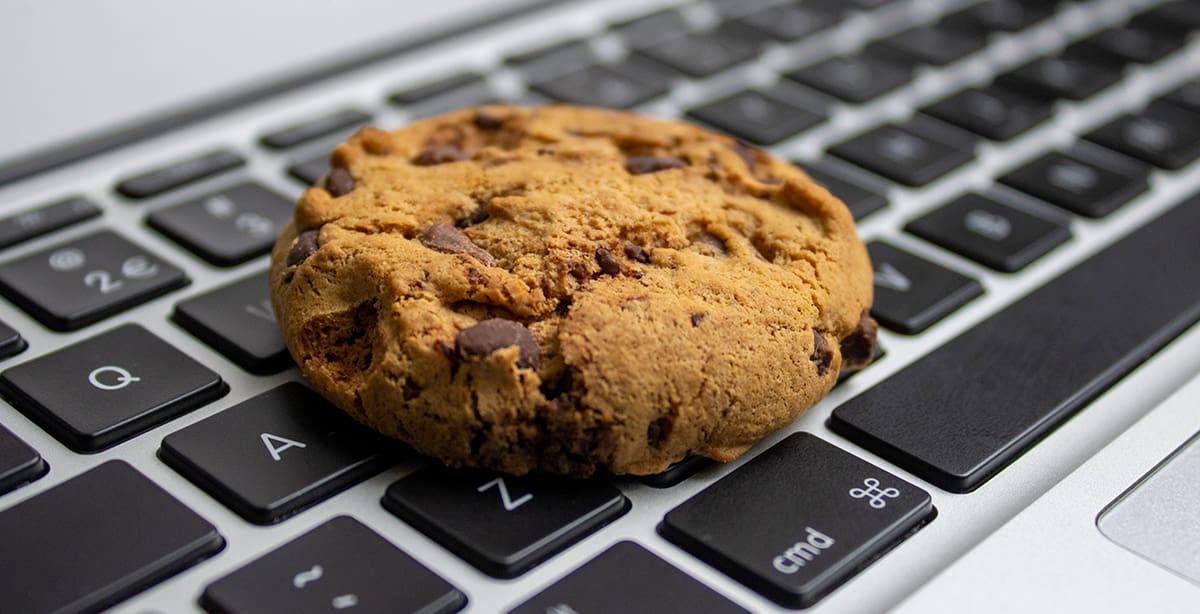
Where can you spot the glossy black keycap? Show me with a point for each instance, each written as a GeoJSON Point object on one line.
{"type": "Point", "coordinates": [1071, 77]}
{"type": "Point", "coordinates": [161, 180]}
{"type": "Point", "coordinates": [1162, 134]}
{"type": "Point", "coordinates": [310, 171]}
{"type": "Point", "coordinates": [859, 198]}
{"type": "Point", "coordinates": [97, 539]}
{"type": "Point", "coordinates": [990, 232]}
{"type": "Point", "coordinates": [857, 78]}
{"type": "Point", "coordinates": [1000, 15]}
{"type": "Point", "coordinates": [995, 112]}
{"type": "Point", "coordinates": [11, 342]}
{"type": "Point", "coordinates": [647, 584]}
{"type": "Point", "coordinates": [790, 22]}
{"type": "Point", "coordinates": [914, 154]}
{"type": "Point", "coordinates": [756, 117]}
{"type": "Point", "coordinates": [275, 454]}
{"type": "Point", "coordinates": [46, 218]}
{"type": "Point", "coordinates": [809, 517]}
{"type": "Point", "coordinates": [602, 86]}
{"type": "Point", "coordinates": [86, 279]}
{"type": "Point", "coordinates": [501, 524]}
{"type": "Point", "coordinates": [1132, 42]}
{"type": "Point", "coordinates": [651, 29]}
{"type": "Point", "coordinates": [545, 62]}
{"type": "Point", "coordinates": [227, 227]}
{"type": "Point", "coordinates": [19, 463]}
{"type": "Point", "coordinates": [237, 320]}
{"type": "Point", "coordinates": [1135, 296]}
{"type": "Point", "coordinates": [676, 473]}
{"type": "Point", "coordinates": [936, 45]}
{"type": "Point", "coordinates": [1186, 96]}
{"type": "Point", "coordinates": [341, 565]}
{"type": "Point", "coordinates": [437, 88]}
{"type": "Point", "coordinates": [701, 54]}
{"type": "Point", "coordinates": [1090, 182]}
{"type": "Point", "coordinates": [106, 389]}
{"type": "Point", "coordinates": [315, 128]}
{"type": "Point", "coordinates": [912, 293]}
{"type": "Point", "coordinates": [1179, 14]}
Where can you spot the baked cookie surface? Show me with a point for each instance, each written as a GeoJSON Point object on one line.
{"type": "Point", "coordinates": [569, 290]}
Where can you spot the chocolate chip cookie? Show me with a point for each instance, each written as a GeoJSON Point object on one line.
{"type": "Point", "coordinates": [569, 290]}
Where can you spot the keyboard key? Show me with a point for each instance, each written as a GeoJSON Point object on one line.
{"type": "Point", "coordinates": [41, 220]}
{"type": "Point", "coordinates": [86, 280]}
{"type": "Point", "coordinates": [859, 78]}
{"type": "Point", "coordinates": [545, 62]}
{"type": "Point", "coordinates": [1162, 134]}
{"type": "Point", "coordinates": [314, 129]}
{"type": "Point", "coordinates": [310, 171]}
{"type": "Point", "coordinates": [237, 320]}
{"type": "Point", "coordinates": [101, 391]}
{"type": "Point", "coordinates": [229, 227]}
{"type": "Point", "coordinates": [701, 54]}
{"type": "Point", "coordinates": [438, 88]}
{"type": "Point", "coordinates": [96, 539]}
{"type": "Point", "coordinates": [994, 112]}
{"type": "Point", "coordinates": [339, 565]}
{"type": "Point", "coordinates": [790, 22]}
{"type": "Point", "coordinates": [1070, 77]}
{"type": "Point", "coordinates": [989, 232]}
{"type": "Point", "coordinates": [276, 454]}
{"type": "Point", "coordinates": [161, 180]}
{"type": "Point", "coordinates": [11, 342]}
{"type": "Point", "coordinates": [913, 154]}
{"type": "Point", "coordinates": [676, 473]}
{"type": "Point", "coordinates": [647, 584]}
{"type": "Point", "coordinates": [651, 29]}
{"type": "Point", "coordinates": [860, 200]}
{"type": "Point", "coordinates": [987, 412]}
{"type": "Point", "coordinates": [1001, 15]}
{"type": "Point", "coordinates": [501, 524]}
{"type": "Point", "coordinates": [19, 463]}
{"type": "Point", "coordinates": [934, 45]}
{"type": "Point", "coordinates": [602, 86]}
{"type": "Point", "coordinates": [1084, 181]}
{"type": "Point", "coordinates": [1186, 96]}
{"type": "Point", "coordinates": [809, 517]}
{"type": "Point", "coordinates": [1180, 14]}
{"type": "Point", "coordinates": [911, 293]}
{"type": "Point", "coordinates": [756, 117]}
{"type": "Point", "coordinates": [1132, 42]}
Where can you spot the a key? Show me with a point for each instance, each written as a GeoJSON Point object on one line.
{"type": "Point", "coordinates": [859, 78]}
{"type": "Point", "coordinates": [86, 280]}
{"type": "Point", "coordinates": [861, 201]}
{"type": "Point", "coordinates": [11, 342]}
{"type": "Point", "coordinates": [237, 320]}
{"type": "Point", "coordinates": [19, 463]}
{"type": "Point", "coordinates": [809, 516]}
{"type": "Point", "coordinates": [1162, 134]}
{"type": "Point", "coordinates": [911, 293]}
{"type": "Point", "coordinates": [756, 117]}
{"type": "Point", "coordinates": [914, 154]}
{"type": "Point", "coordinates": [651, 29]}
{"type": "Point", "coordinates": [168, 178]}
{"type": "Point", "coordinates": [501, 524]}
{"type": "Point", "coordinates": [936, 45]}
{"type": "Point", "coordinates": [1087, 181]}
{"type": "Point", "coordinates": [36, 222]}
{"type": "Point", "coordinates": [101, 391]}
{"type": "Point", "coordinates": [310, 171]}
{"type": "Point", "coordinates": [982, 389]}
{"type": "Point", "coordinates": [1179, 14]}
{"type": "Point", "coordinates": [790, 22]}
{"type": "Point", "coordinates": [315, 128]}
{"type": "Point", "coordinates": [994, 112]}
{"type": "Point", "coordinates": [1132, 42]}
{"type": "Point", "coordinates": [990, 232]}
{"type": "Point", "coordinates": [276, 454]}
{"type": "Point", "coordinates": [676, 473]}
{"type": "Point", "coordinates": [229, 227]}
{"type": "Point", "coordinates": [701, 54]}
{"type": "Point", "coordinates": [96, 539]}
{"type": "Point", "coordinates": [1000, 15]}
{"type": "Point", "coordinates": [647, 584]}
{"type": "Point", "coordinates": [341, 565]}
{"type": "Point", "coordinates": [545, 62]}
{"type": "Point", "coordinates": [1070, 77]}
{"type": "Point", "coordinates": [439, 88]}
{"type": "Point", "coordinates": [1186, 96]}
{"type": "Point", "coordinates": [602, 86]}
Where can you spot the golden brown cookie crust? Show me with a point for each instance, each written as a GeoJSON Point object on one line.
{"type": "Point", "coordinates": [687, 294]}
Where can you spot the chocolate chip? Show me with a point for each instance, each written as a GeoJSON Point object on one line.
{"type": "Point", "coordinates": [487, 121]}
{"type": "Point", "coordinates": [858, 349]}
{"type": "Point", "coordinates": [478, 216]}
{"type": "Point", "coordinates": [439, 154]}
{"type": "Point", "coordinates": [608, 263]}
{"type": "Point", "coordinates": [640, 165]}
{"type": "Point", "coordinates": [578, 270]}
{"type": "Point", "coordinates": [636, 252]}
{"type": "Point", "coordinates": [822, 354]}
{"type": "Point", "coordinates": [697, 318]}
{"type": "Point", "coordinates": [305, 246]}
{"type": "Point", "coordinates": [748, 154]}
{"type": "Point", "coordinates": [658, 431]}
{"type": "Point", "coordinates": [339, 182]}
{"type": "Point", "coordinates": [411, 390]}
{"type": "Point", "coordinates": [446, 238]}
{"type": "Point", "coordinates": [495, 334]}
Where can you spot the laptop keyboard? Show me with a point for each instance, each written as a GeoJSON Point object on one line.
{"type": "Point", "coordinates": [974, 142]}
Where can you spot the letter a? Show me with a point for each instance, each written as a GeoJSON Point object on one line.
{"type": "Point", "coordinates": [276, 444]}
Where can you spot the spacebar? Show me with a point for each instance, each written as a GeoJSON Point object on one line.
{"type": "Point", "coordinates": [957, 416]}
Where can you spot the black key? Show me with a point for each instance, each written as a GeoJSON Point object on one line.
{"type": "Point", "coordinates": [994, 112]}
{"type": "Point", "coordinates": [1084, 181]}
{"type": "Point", "coordinates": [44, 219]}
{"type": "Point", "coordinates": [701, 54]}
{"type": "Point", "coordinates": [101, 391]}
{"type": "Point", "coordinates": [310, 171]}
{"type": "Point", "coordinates": [1001, 15]}
{"type": "Point", "coordinates": [602, 86]}
{"type": "Point", "coordinates": [86, 280]}
{"type": "Point", "coordinates": [647, 584]}
{"type": "Point", "coordinates": [990, 391]}
{"type": "Point", "coordinates": [19, 463]}
{"type": "Point", "coordinates": [1132, 42]}
{"type": "Point", "coordinates": [545, 62]}
{"type": "Point", "coordinates": [227, 227]}
{"type": "Point", "coordinates": [861, 201]}
{"type": "Point", "coordinates": [913, 154]}
{"type": "Point", "coordinates": [936, 45]}
{"type": "Point", "coordinates": [97, 539]}
{"type": "Point", "coordinates": [1070, 77]}
{"type": "Point", "coordinates": [500, 524]}
{"type": "Point", "coordinates": [911, 293]}
{"type": "Point", "coordinates": [339, 565]}
{"type": "Point", "coordinates": [789, 22]}
{"type": "Point", "coordinates": [315, 128]}
{"type": "Point", "coordinates": [676, 473]}
{"type": "Point", "coordinates": [176, 175]}
{"type": "Point", "coordinates": [651, 29]}
{"type": "Point", "coordinates": [237, 320]}
{"type": "Point", "coordinates": [1180, 14]}
{"type": "Point", "coordinates": [992, 233]}
{"type": "Point", "coordinates": [809, 517]}
{"type": "Point", "coordinates": [858, 78]}
{"type": "Point", "coordinates": [276, 454]}
{"type": "Point", "coordinates": [11, 342]}
{"type": "Point", "coordinates": [1162, 134]}
{"type": "Point", "coordinates": [756, 117]}
{"type": "Point", "coordinates": [1186, 96]}
{"type": "Point", "coordinates": [439, 88]}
